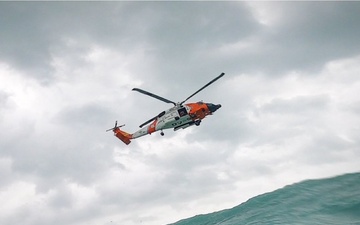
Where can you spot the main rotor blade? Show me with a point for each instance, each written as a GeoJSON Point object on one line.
{"type": "Point", "coordinates": [150, 120]}
{"type": "Point", "coordinates": [153, 95]}
{"type": "Point", "coordinates": [206, 85]}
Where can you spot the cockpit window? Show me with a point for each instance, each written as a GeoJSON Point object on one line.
{"type": "Point", "coordinates": [182, 111]}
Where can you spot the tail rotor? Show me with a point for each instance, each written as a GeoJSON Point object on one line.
{"type": "Point", "coordinates": [116, 126]}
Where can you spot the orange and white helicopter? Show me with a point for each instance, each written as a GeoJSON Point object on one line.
{"type": "Point", "coordinates": [179, 116]}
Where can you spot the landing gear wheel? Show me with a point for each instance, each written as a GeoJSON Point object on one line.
{"type": "Point", "coordinates": [197, 122]}
{"type": "Point", "coordinates": [162, 133]}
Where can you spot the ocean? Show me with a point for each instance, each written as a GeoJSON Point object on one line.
{"type": "Point", "coordinates": [327, 201]}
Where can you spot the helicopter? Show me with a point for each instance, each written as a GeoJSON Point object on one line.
{"type": "Point", "coordinates": [179, 116]}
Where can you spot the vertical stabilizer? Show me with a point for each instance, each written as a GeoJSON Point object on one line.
{"type": "Point", "coordinates": [122, 135]}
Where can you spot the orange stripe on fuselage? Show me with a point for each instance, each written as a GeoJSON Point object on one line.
{"type": "Point", "coordinates": [152, 127]}
{"type": "Point", "coordinates": [198, 110]}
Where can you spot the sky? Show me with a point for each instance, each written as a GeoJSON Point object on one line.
{"type": "Point", "coordinates": [290, 105]}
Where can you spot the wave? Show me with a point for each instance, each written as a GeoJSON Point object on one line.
{"type": "Point", "coordinates": [327, 201]}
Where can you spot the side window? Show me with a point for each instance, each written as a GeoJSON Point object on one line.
{"type": "Point", "coordinates": [182, 111]}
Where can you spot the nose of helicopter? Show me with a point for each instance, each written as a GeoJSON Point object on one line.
{"type": "Point", "coordinates": [213, 107]}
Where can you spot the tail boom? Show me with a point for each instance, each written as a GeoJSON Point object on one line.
{"type": "Point", "coordinates": [126, 137]}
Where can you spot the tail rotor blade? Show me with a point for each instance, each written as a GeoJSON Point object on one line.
{"type": "Point", "coordinates": [110, 129]}
{"type": "Point", "coordinates": [116, 126]}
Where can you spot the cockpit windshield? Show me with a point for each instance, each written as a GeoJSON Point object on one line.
{"type": "Point", "coordinates": [182, 111]}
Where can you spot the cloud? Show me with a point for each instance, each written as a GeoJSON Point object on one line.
{"type": "Point", "coordinates": [289, 101]}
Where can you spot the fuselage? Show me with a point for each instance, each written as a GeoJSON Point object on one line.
{"type": "Point", "coordinates": [179, 116]}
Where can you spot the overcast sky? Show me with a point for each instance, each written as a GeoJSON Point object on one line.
{"type": "Point", "coordinates": [290, 105]}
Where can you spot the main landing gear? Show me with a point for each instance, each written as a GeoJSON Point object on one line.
{"type": "Point", "coordinates": [197, 122]}
{"type": "Point", "coordinates": [162, 133]}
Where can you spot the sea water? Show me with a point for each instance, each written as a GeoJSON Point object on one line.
{"type": "Point", "coordinates": [325, 201]}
